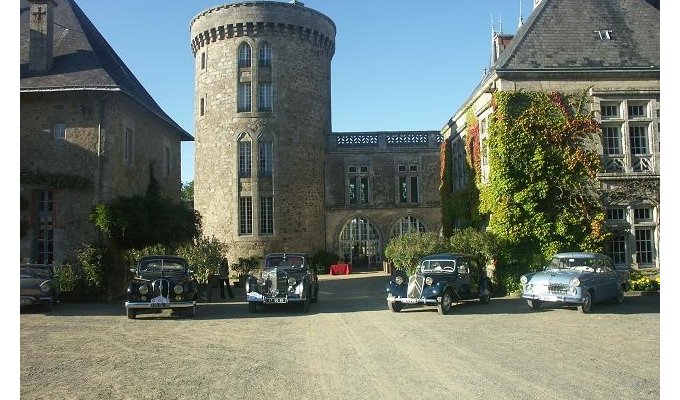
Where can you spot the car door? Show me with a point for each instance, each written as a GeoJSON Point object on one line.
{"type": "Point", "coordinates": [463, 281]}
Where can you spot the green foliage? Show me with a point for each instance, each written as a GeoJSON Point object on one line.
{"type": "Point", "coordinates": [93, 263]}
{"type": "Point", "coordinates": [68, 278]}
{"type": "Point", "coordinates": [56, 181]}
{"type": "Point", "coordinates": [204, 256]}
{"type": "Point", "coordinates": [322, 260]}
{"type": "Point", "coordinates": [644, 282]}
{"type": "Point", "coordinates": [405, 250]}
{"type": "Point", "coordinates": [247, 264]}
{"type": "Point", "coordinates": [141, 221]}
{"type": "Point", "coordinates": [541, 196]}
{"type": "Point", "coordinates": [481, 244]}
{"type": "Point", "coordinates": [132, 256]}
{"type": "Point", "coordinates": [188, 191]}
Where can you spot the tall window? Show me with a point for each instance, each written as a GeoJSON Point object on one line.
{"type": "Point", "coordinates": [266, 156]}
{"type": "Point", "coordinates": [244, 97]}
{"type": "Point", "coordinates": [267, 215]}
{"type": "Point", "coordinates": [59, 129]}
{"type": "Point", "coordinates": [129, 145]}
{"type": "Point", "coordinates": [244, 55]}
{"type": "Point", "coordinates": [244, 159]}
{"type": "Point", "coordinates": [407, 184]}
{"type": "Point", "coordinates": [265, 55]}
{"type": "Point", "coordinates": [44, 241]}
{"type": "Point", "coordinates": [408, 224]}
{"type": "Point", "coordinates": [245, 214]}
{"type": "Point", "coordinates": [359, 242]}
{"type": "Point", "coordinates": [643, 246]}
{"type": "Point", "coordinates": [611, 140]}
{"type": "Point", "coordinates": [203, 60]}
{"type": "Point", "coordinates": [357, 184]}
{"type": "Point", "coordinates": [265, 97]}
{"type": "Point", "coordinates": [617, 248]}
{"type": "Point", "coordinates": [201, 107]}
{"type": "Point", "coordinates": [638, 140]}
{"type": "Point", "coordinates": [634, 230]}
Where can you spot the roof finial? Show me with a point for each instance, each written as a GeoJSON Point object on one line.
{"type": "Point", "coordinates": [521, 21]}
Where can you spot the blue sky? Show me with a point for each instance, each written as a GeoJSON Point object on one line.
{"type": "Point", "coordinates": [398, 64]}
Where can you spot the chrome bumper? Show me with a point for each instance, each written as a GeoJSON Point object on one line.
{"type": "Point", "coordinates": [259, 298]}
{"type": "Point", "coordinates": [409, 300]}
{"type": "Point", "coordinates": [32, 300]}
{"type": "Point", "coordinates": [558, 298]}
{"type": "Point", "coordinates": [159, 306]}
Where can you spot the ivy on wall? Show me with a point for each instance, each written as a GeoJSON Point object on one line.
{"type": "Point", "coordinates": [56, 181]}
{"type": "Point", "coordinates": [542, 196]}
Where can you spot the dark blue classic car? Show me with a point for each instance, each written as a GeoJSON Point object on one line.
{"type": "Point", "coordinates": [39, 286]}
{"type": "Point", "coordinates": [286, 278]}
{"type": "Point", "coordinates": [440, 280]}
{"type": "Point", "coordinates": [161, 282]}
{"type": "Point", "coordinates": [576, 278]}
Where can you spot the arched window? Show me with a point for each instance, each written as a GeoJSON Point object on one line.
{"type": "Point", "coordinates": [244, 157]}
{"type": "Point", "coordinates": [360, 243]}
{"type": "Point", "coordinates": [265, 55]}
{"type": "Point", "coordinates": [244, 55]}
{"type": "Point", "coordinates": [408, 224]}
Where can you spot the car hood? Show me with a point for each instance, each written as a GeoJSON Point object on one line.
{"type": "Point", "coordinates": [30, 283]}
{"type": "Point", "coordinates": [553, 276]}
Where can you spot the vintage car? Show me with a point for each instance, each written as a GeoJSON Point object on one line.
{"type": "Point", "coordinates": [440, 280]}
{"type": "Point", "coordinates": [161, 282]}
{"type": "Point", "coordinates": [576, 278]}
{"type": "Point", "coordinates": [39, 286]}
{"type": "Point", "coordinates": [286, 278]}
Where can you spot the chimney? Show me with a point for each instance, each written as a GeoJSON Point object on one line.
{"type": "Point", "coordinates": [40, 41]}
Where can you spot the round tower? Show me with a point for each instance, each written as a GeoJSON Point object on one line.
{"type": "Point", "coordinates": [263, 109]}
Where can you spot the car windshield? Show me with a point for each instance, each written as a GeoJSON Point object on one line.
{"type": "Point", "coordinates": [438, 265]}
{"type": "Point", "coordinates": [575, 263]}
{"type": "Point", "coordinates": [36, 271]}
{"type": "Point", "coordinates": [285, 262]}
{"type": "Point", "coordinates": [161, 265]}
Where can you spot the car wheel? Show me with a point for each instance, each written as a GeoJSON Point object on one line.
{"type": "Point", "coordinates": [131, 314]}
{"type": "Point", "coordinates": [444, 305]}
{"type": "Point", "coordinates": [485, 299]}
{"type": "Point", "coordinates": [252, 307]}
{"type": "Point", "coordinates": [534, 304]}
{"type": "Point", "coordinates": [394, 306]}
{"type": "Point", "coordinates": [619, 296]}
{"type": "Point", "coordinates": [587, 303]}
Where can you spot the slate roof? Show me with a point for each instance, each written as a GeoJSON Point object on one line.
{"type": "Point", "coordinates": [83, 60]}
{"type": "Point", "coordinates": [561, 35]}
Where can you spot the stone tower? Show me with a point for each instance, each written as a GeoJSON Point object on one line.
{"type": "Point", "coordinates": [263, 110]}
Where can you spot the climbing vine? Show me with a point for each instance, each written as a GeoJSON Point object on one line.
{"type": "Point", "coordinates": [541, 196]}
{"type": "Point", "coordinates": [57, 181]}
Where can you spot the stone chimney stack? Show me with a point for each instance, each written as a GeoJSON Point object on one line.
{"type": "Point", "coordinates": [41, 37]}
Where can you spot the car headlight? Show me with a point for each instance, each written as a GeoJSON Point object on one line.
{"type": "Point", "coordinates": [45, 288]}
{"type": "Point", "coordinates": [523, 280]}
{"type": "Point", "coordinates": [143, 289]}
{"type": "Point", "coordinates": [399, 280]}
{"type": "Point", "coordinates": [528, 288]}
{"type": "Point", "coordinates": [291, 281]}
{"type": "Point", "coordinates": [179, 289]}
{"type": "Point", "coordinates": [574, 282]}
{"type": "Point", "coordinates": [428, 280]}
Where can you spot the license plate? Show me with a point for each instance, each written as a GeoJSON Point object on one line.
{"type": "Point", "coordinates": [276, 300]}
{"type": "Point", "coordinates": [159, 301]}
{"type": "Point", "coordinates": [26, 301]}
{"type": "Point", "coordinates": [549, 298]}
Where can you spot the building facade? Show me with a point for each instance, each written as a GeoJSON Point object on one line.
{"type": "Point", "coordinates": [89, 132]}
{"type": "Point", "coordinates": [269, 173]}
{"type": "Point", "coordinates": [609, 48]}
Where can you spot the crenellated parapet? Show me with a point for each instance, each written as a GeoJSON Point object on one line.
{"type": "Point", "coordinates": [263, 18]}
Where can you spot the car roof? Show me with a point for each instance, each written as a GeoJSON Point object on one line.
{"type": "Point", "coordinates": [440, 256]}
{"type": "Point", "coordinates": [579, 254]}
{"type": "Point", "coordinates": [286, 254]}
{"type": "Point", "coordinates": [165, 257]}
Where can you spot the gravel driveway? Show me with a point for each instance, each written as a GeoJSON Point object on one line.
{"type": "Point", "coordinates": [348, 347]}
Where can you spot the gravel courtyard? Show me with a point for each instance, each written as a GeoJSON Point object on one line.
{"type": "Point", "coordinates": [348, 347]}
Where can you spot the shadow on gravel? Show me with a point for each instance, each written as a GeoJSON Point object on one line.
{"type": "Point", "coordinates": [355, 293]}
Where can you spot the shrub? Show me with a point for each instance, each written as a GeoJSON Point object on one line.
{"type": "Point", "coordinates": [644, 282]}
{"type": "Point", "coordinates": [93, 262]}
{"type": "Point", "coordinates": [322, 260]}
{"type": "Point", "coordinates": [481, 244]}
{"type": "Point", "coordinates": [68, 278]}
{"type": "Point", "coordinates": [405, 250]}
{"type": "Point", "coordinates": [204, 256]}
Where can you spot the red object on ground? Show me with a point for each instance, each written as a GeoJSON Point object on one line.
{"type": "Point", "coordinates": [340, 269]}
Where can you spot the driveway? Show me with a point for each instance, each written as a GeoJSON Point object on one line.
{"type": "Point", "coordinates": [348, 347]}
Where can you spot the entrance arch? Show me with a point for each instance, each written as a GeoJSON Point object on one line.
{"type": "Point", "coordinates": [360, 243]}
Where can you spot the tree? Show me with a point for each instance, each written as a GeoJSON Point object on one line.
{"type": "Point", "coordinates": [188, 192]}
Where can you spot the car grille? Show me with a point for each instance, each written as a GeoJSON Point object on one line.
{"type": "Point", "coordinates": [415, 286]}
{"type": "Point", "coordinates": [160, 287]}
{"type": "Point", "coordinates": [558, 288]}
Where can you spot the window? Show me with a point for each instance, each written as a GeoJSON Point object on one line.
{"type": "Point", "coordinates": [59, 129]}
{"type": "Point", "coordinates": [414, 189]}
{"type": "Point", "coordinates": [637, 110]}
{"type": "Point", "coordinates": [617, 248]}
{"type": "Point", "coordinates": [642, 214]}
{"type": "Point", "coordinates": [244, 159]}
{"type": "Point", "coordinates": [358, 184]}
{"type": "Point", "coordinates": [401, 168]}
{"type": "Point", "coordinates": [44, 240]}
{"type": "Point", "coordinates": [643, 246]}
{"type": "Point", "coordinates": [266, 156]}
{"type": "Point", "coordinates": [129, 145]}
{"type": "Point", "coordinates": [616, 214]}
{"type": "Point", "coordinates": [244, 97]}
{"type": "Point", "coordinates": [265, 55]}
{"type": "Point", "coordinates": [408, 224]}
{"type": "Point", "coordinates": [638, 140]}
{"type": "Point", "coordinates": [201, 107]}
{"type": "Point", "coordinates": [359, 242]}
{"type": "Point", "coordinates": [244, 55]}
{"type": "Point", "coordinates": [611, 137]}
{"type": "Point", "coordinates": [403, 190]}
{"type": "Point", "coordinates": [267, 215]}
{"type": "Point", "coordinates": [202, 60]}
{"type": "Point", "coordinates": [407, 184]}
{"type": "Point", "coordinates": [609, 111]}
{"type": "Point", "coordinates": [265, 98]}
{"type": "Point", "coordinates": [245, 214]}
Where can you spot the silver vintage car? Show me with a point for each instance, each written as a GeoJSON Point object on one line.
{"type": "Point", "coordinates": [576, 278]}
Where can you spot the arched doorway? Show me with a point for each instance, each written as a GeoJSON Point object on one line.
{"type": "Point", "coordinates": [360, 244]}
{"type": "Point", "coordinates": [407, 224]}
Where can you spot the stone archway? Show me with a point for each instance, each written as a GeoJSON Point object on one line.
{"type": "Point", "coordinates": [360, 244]}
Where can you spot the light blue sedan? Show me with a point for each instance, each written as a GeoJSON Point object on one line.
{"type": "Point", "coordinates": [575, 278]}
